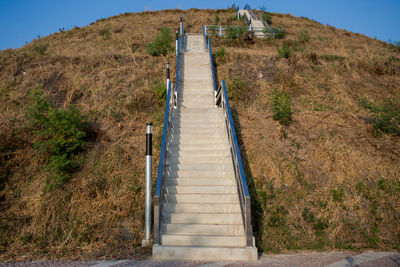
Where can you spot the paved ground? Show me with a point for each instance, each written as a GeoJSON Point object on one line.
{"type": "Point", "coordinates": [331, 259]}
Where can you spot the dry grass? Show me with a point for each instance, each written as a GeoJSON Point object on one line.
{"type": "Point", "coordinates": [328, 160]}
{"type": "Point", "coordinates": [306, 178]}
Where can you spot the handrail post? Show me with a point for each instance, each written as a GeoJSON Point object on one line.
{"type": "Point", "coordinates": [176, 42]}
{"type": "Point", "coordinates": [148, 175]}
{"type": "Point", "coordinates": [220, 30]}
{"type": "Point", "coordinates": [168, 77]}
{"type": "Point", "coordinates": [181, 25]}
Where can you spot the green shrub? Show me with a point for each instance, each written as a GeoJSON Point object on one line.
{"type": "Point", "coordinates": [61, 136]}
{"type": "Point", "coordinates": [284, 51]}
{"type": "Point", "coordinates": [386, 118]}
{"type": "Point", "coordinates": [337, 195]}
{"type": "Point", "coordinates": [220, 52]}
{"type": "Point", "coordinates": [303, 36]}
{"type": "Point", "coordinates": [281, 107]}
{"type": "Point", "coordinates": [106, 33]}
{"type": "Point", "coordinates": [161, 45]}
{"type": "Point", "coordinates": [278, 217]}
{"type": "Point", "coordinates": [217, 19]}
{"type": "Point", "coordinates": [268, 17]}
{"type": "Point", "coordinates": [160, 91]}
{"type": "Point", "coordinates": [307, 215]}
{"type": "Point", "coordinates": [40, 48]}
{"type": "Point", "coordinates": [237, 90]}
{"type": "Point", "coordinates": [275, 33]}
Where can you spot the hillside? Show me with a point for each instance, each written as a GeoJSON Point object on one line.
{"type": "Point", "coordinates": [329, 178]}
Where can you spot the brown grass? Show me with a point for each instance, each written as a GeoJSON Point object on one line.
{"type": "Point", "coordinates": [318, 162]}
{"type": "Point", "coordinates": [329, 151]}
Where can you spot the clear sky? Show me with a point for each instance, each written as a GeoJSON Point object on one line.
{"type": "Point", "coordinates": [23, 20]}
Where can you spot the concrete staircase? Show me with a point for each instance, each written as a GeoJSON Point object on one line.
{"type": "Point", "coordinates": [255, 23]}
{"type": "Point", "coordinates": [201, 215]}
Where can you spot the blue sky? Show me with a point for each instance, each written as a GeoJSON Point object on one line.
{"type": "Point", "coordinates": [23, 20]}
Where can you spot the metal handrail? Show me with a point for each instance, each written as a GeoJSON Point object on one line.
{"type": "Point", "coordinates": [160, 173]}
{"type": "Point", "coordinates": [253, 15]}
{"type": "Point", "coordinates": [163, 151]}
{"type": "Point", "coordinates": [212, 66]}
{"type": "Point", "coordinates": [221, 100]}
{"type": "Point", "coordinates": [265, 22]}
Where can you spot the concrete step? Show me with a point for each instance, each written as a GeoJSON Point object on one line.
{"type": "Point", "coordinates": [203, 241]}
{"type": "Point", "coordinates": [202, 229]}
{"type": "Point", "coordinates": [195, 130]}
{"type": "Point", "coordinates": [201, 189]}
{"type": "Point", "coordinates": [201, 208]}
{"type": "Point", "coordinates": [195, 159]}
{"type": "Point", "coordinates": [187, 143]}
{"type": "Point", "coordinates": [204, 253]}
{"type": "Point", "coordinates": [199, 174]}
{"type": "Point", "coordinates": [199, 153]}
{"type": "Point", "coordinates": [202, 199]}
{"type": "Point", "coordinates": [200, 126]}
{"type": "Point", "coordinates": [201, 181]}
{"type": "Point", "coordinates": [184, 147]}
{"type": "Point", "coordinates": [206, 167]}
{"type": "Point", "coordinates": [195, 218]}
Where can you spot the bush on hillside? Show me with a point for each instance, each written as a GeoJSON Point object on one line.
{"type": "Point", "coordinates": [162, 43]}
{"type": "Point", "coordinates": [268, 18]}
{"type": "Point", "coordinates": [61, 136]}
{"type": "Point", "coordinates": [281, 107]}
{"type": "Point", "coordinates": [386, 118]}
{"type": "Point", "coordinates": [284, 51]}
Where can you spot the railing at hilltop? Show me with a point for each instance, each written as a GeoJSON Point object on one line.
{"type": "Point", "coordinates": [221, 100]}
{"type": "Point", "coordinates": [171, 104]}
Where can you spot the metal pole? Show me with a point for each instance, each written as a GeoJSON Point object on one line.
{"type": "Point", "coordinates": [168, 74]}
{"type": "Point", "coordinates": [181, 25]}
{"type": "Point", "coordinates": [149, 133]}
{"type": "Point", "coordinates": [176, 42]}
{"type": "Point", "coordinates": [220, 31]}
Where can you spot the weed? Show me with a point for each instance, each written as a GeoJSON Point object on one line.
{"type": "Point", "coordinates": [40, 48]}
{"type": "Point", "coordinates": [361, 187]}
{"type": "Point", "coordinates": [106, 33]}
{"type": "Point", "coordinates": [278, 217]}
{"type": "Point", "coordinates": [268, 17]}
{"type": "Point", "coordinates": [134, 47]}
{"type": "Point", "coordinates": [330, 57]}
{"type": "Point", "coordinates": [160, 91]}
{"type": "Point", "coordinates": [386, 118]}
{"type": "Point", "coordinates": [284, 51]}
{"type": "Point", "coordinates": [337, 194]}
{"type": "Point", "coordinates": [238, 90]}
{"type": "Point", "coordinates": [303, 36]}
{"type": "Point", "coordinates": [161, 45]}
{"type": "Point", "coordinates": [275, 33]}
{"type": "Point", "coordinates": [217, 19]}
{"type": "Point", "coordinates": [319, 226]}
{"type": "Point", "coordinates": [281, 107]}
{"type": "Point", "coordinates": [307, 215]}
{"type": "Point", "coordinates": [61, 133]}
{"type": "Point", "coordinates": [220, 52]}
{"type": "Point", "coordinates": [383, 184]}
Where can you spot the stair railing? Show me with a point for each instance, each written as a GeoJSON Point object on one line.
{"type": "Point", "coordinates": [222, 101]}
{"type": "Point", "coordinates": [171, 104]}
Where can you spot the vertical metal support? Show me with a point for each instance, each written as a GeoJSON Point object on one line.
{"type": "Point", "coordinates": [168, 77]}
{"type": "Point", "coordinates": [176, 42]}
{"type": "Point", "coordinates": [181, 25]}
{"type": "Point", "coordinates": [149, 155]}
{"type": "Point", "coordinates": [220, 31]}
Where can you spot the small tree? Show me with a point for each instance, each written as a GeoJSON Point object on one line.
{"type": "Point", "coordinates": [162, 43]}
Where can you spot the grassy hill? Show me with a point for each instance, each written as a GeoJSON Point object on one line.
{"type": "Point", "coordinates": [318, 129]}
